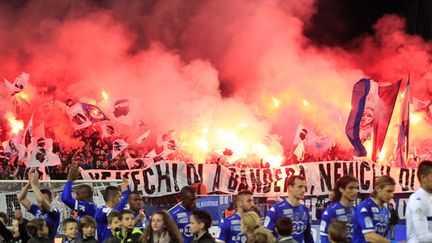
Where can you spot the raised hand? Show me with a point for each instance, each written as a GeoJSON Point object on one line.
{"type": "Point", "coordinates": [125, 184]}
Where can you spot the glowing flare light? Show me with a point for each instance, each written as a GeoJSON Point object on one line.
{"type": "Point", "coordinates": [105, 95]}
{"type": "Point", "coordinates": [16, 125]}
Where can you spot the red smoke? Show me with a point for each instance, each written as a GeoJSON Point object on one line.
{"type": "Point", "coordinates": [201, 64]}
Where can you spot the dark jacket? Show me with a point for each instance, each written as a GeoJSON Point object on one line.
{"type": "Point", "coordinates": [129, 236]}
{"type": "Point", "coordinates": [89, 240]}
{"type": "Point", "coordinates": [288, 239]}
{"type": "Point", "coordinates": [205, 238]}
{"type": "Point", "coordinates": [37, 240]}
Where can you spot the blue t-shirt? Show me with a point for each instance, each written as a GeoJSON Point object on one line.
{"type": "Point", "coordinates": [181, 216]}
{"type": "Point", "coordinates": [51, 218]}
{"type": "Point", "coordinates": [299, 215]}
{"type": "Point", "coordinates": [230, 230]}
{"type": "Point", "coordinates": [369, 217]}
{"type": "Point", "coordinates": [340, 212]}
{"type": "Point", "coordinates": [101, 217]}
{"type": "Point", "coordinates": [82, 207]}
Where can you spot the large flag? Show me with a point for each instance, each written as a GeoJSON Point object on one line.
{"type": "Point", "coordinates": [402, 147]}
{"type": "Point", "coordinates": [78, 117]}
{"type": "Point", "coordinates": [11, 146]}
{"type": "Point", "coordinates": [93, 112]}
{"type": "Point", "coordinates": [18, 85]}
{"type": "Point", "coordinates": [385, 106]}
{"type": "Point", "coordinates": [41, 153]}
{"type": "Point", "coordinates": [360, 121]}
{"type": "Point", "coordinates": [125, 110]}
{"type": "Point", "coordinates": [143, 137]}
{"type": "Point", "coordinates": [168, 142]}
{"type": "Point", "coordinates": [108, 131]}
{"type": "Point", "coordinates": [299, 151]}
{"type": "Point", "coordinates": [118, 146]}
{"type": "Point", "coordinates": [28, 133]}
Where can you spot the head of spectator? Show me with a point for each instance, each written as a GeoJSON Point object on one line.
{"type": "Point", "coordinates": [114, 223]}
{"type": "Point", "coordinates": [18, 215]}
{"type": "Point", "coordinates": [331, 196]}
{"type": "Point", "coordinates": [346, 190]}
{"type": "Point", "coordinates": [424, 174]}
{"type": "Point", "coordinates": [261, 236]}
{"type": "Point", "coordinates": [200, 222]}
{"type": "Point", "coordinates": [127, 219]}
{"type": "Point", "coordinates": [252, 228]}
{"type": "Point", "coordinates": [84, 193]}
{"type": "Point", "coordinates": [383, 189]}
{"type": "Point", "coordinates": [37, 228]}
{"type": "Point", "coordinates": [161, 228]}
{"type": "Point", "coordinates": [70, 228]}
{"type": "Point", "coordinates": [296, 188]}
{"type": "Point", "coordinates": [284, 227]}
{"type": "Point", "coordinates": [188, 197]}
{"type": "Point", "coordinates": [47, 195]}
{"type": "Point", "coordinates": [245, 202]}
{"type": "Point", "coordinates": [87, 227]}
{"type": "Point", "coordinates": [135, 201]}
{"type": "Point", "coordinates": [15, 228]}
{"type": "Point", "coordinates": [3, 218]}
{"type": "Point", "coordinates": [337, 231]}
{"type": "Point", "coordinates": [112, 196]}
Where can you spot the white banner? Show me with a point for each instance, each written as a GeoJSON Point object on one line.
{"type": "Point", "coordinates": [164, 178]}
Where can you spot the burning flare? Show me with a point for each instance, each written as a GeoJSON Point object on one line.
{"type": "Point", "coordinates": [16, 125]}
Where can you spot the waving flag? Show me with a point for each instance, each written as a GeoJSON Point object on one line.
{"type": "Point", "coordinates": [299, 151]}
{"type": "Point", "coordinates": [41, 153]}
{"type": "Point", "coordinates": [143, 137]}
{"type": "Point", "coordinates": [18, 85]}
{"type": "Point", "coordinates": [385, 106]}
{"type": "Point", "coordinates": [118, 146]}
{"type": "Point", "coordinates": [93, 112]}
{"type": "Point", "coordinates": [402, 148]}
{"type": "Point", "coordinates": [125, 110]}
{"type": "Point", "coordinates": [28, 133]}
{"type": "Point", "coordinates": [360, 120]}
{"type": "Point", "coordinates": [78, 117]}
{"type": "Point", "coordinates": [108, 131]}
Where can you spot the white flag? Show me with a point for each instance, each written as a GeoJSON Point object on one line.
{"type": "Point", "coordinates": [118, 146]}
{"type": "Point", "coordinates": [78, 117]}
{"type": "Point", "coordinates": [125, 110]}
{"type": "Point", "coordinates": [143, 137]}
{"type": "Point", "coordinates": [18, 85]}
{"type": "Point", "coordinates": [43, 157]}
{"type": "Point", "coordinates": [301, 135]}
{"type": "Point", "coordinates": [108, 131]}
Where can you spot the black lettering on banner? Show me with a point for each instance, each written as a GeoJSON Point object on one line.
{"type": "Point", "coordinates": [277, 174]}
{"type": "Point", "coordinates": [364, 184]}
{"type": "Point", "coordinates": [174, 170]}
{"type": "Point", "coordinates": [337, 175]}
{"type": "Point", "coordinates": [232, 182]}
{"type": "Point", "coordinates": [152, 188]}
{"type": "Point", "coordinates": [373, 175]}
{"type": "Point", "coordinates": [243, 182]}
{"type": "Point", "coordinates": [289, 172]}
{"type": "Point", "coordinates": [325, 178]}
{"type": "Point", "coordinates": [190, 168]}
{"type": "Point", "coordinates": [216, 180]}
{"type": "Point", "coordinates": [413, 175]}
{"type": "Point", "coordinates": [105, 175]}
{"type": "Point", "coordinates": [267, 180]}
{"type": "Point", "coordinates": [348, 168]}
{"type": "Point", "coordinates": [95, 176]}
{"type": "Point", "coordinates": [135, 180]}
{"type": "Point", "coordinates": [404, 175]}
{"type": "Point", "coordinates": [165, 177]}
{"type": "Point", "coordinates": [255, 179]}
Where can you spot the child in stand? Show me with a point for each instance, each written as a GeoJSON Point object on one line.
{"type": "Point", "coordinates": [70, 228]}
{"type": "Point", "coordinates": [114, 224]}
{"type": "Point", "coordinates": [87, 227]}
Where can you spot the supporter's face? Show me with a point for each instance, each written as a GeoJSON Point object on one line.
{"type": "Point", "coordinates": [385, 194]}
{"type": "Point", "coordinates": [298, 189]}
{"type": "Point", "coordinates": [88, 231]}
{"type": "Point", "coordinates": [426, 182]}
{"type": "Point", "coordinates": [246, 203]}
{"type": "Point", "coordinates": [71, 230]}
{"type": "Point", "coordinates": [116, 198]}
{"type": "Point", "coordinates": [115, 224]}
{"type": "Point", "coordinates": [15, 226]}
{"type": "Point", "coordinates": [44, 232]}
{"type": "Point", "coordinates": [128, 221]}
{"type": "Point", "coordinates": [195, 226]}
{"type": "Point", "coordinates": [157, 223]}
{"type": "Point", "coordinates": [135, 202]}
{"type": "Point", "coordinates": [189, 201]}
{"type": "Point", "coordinates": [331, 196]}
{"type": "Point", "coordinates": [18, 214]}
{"type": "Point", "coordinates": [350, 191]}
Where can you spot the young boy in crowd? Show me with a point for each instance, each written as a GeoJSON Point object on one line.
{"type": "Point", "coordinates": [128, 232]}
{"type": "Point", "coordinates": [87, 227]}
{"type": "Point", "coordinates": [114, 224]}
{"type": "Point", "coordinates": [284, 228]}
{"type": "Point", "coordinates": [70, 229]}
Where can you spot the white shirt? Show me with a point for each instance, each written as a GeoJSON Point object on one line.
{"type": "Point", "coordinates": [419, 217]}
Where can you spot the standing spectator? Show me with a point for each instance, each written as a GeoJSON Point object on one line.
{"type": "Point", "coordinates": [83, 203]}
{"type": "Point", "coordinates": [254, 231]}
{"type": "Point", "coordinates": [39, 232]}
{"type": "Point", "coordinates": [114, 202]}
{"type": "Point", "coordinates": [87, 227]}
{"type": "Point", "coordinates": [284, 227]}
{"type": "Point", "coordinates": [292, 208]}
{"type": "Point", "coordinates": [342, 209]}
{"type": "Point", "coordinates": [230, 226]}
{"type": "Point", "coordinates": [200, 222]}
{"type": "Point", "coordinates": [128, 232]}
{"type": "Point", "coordinates": [162, 229]}
{"type": "Point", "coordinates": [136, 204]}
{"type": "Point", "coordinates": [70, 228]}
{"type": "Point", "coordinates": [372, 217]}
{"type": "Point", "coordinates": [19, 232]}
{"type": "Point", "coordinates": [44, 209]}
{"type": "Point", "coordinates": [182, 212]}
{"type": "Point", "coordinates": [419, 210]}
{"type": "Point", "coordinates": [337, 232]}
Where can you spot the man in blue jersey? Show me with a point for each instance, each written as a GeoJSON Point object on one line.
{"type": "Point", "coordinates": [230, 226]}
{"type": "Point", "coordinates": [345, 193]}
{"type": "Point", "coordinates": [43, 209]}
{"type": "Point", "coordinates": [114, 202]}
{"type": "Point", "coordinates": [292, 208]}
{"type": "Point", "coordinates": [83, 202]}
{"type": "Point", "coordinates": [181, 213]}
{"type": "Point", "coordinates": [136, 204]}
{"type": "Point", "coordinates": [371, 220]}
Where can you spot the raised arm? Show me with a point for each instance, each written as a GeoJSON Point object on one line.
{"type": "Point", "coordinates": [22, 197]}
{"type": "Point", "coordinates": [34, 181]}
